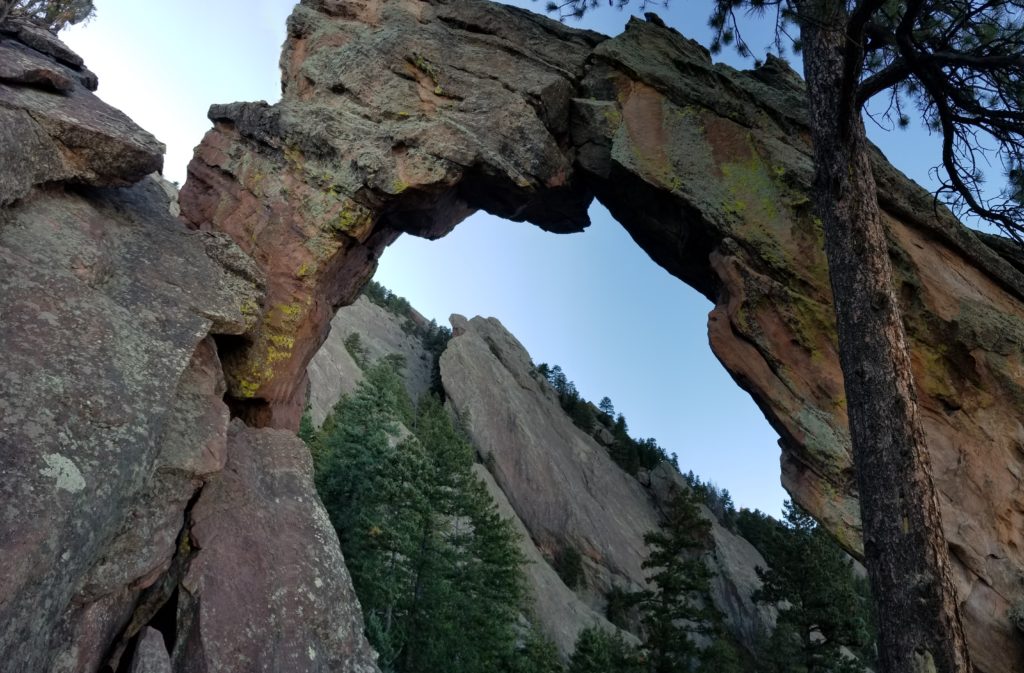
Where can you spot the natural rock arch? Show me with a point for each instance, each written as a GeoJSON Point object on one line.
{"type": "Point", "coordinates": [407, 116]}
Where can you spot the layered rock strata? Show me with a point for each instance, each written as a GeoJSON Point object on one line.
{"type": "Point", "coordinates": [405, 116]}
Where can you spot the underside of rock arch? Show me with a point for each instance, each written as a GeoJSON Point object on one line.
{"type": "Point", "coordinates": [404, 116]}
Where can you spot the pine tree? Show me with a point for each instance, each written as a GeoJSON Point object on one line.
{"type": "Point", "coordinates": [598, 651]}
{"type": "Point", "coordinates": [437, 570]}
{"type": "Point", "coordinates": [821, 612]}
{"type": "Point", "coordinates": [961, 63]}
{"type": "Point", "coordinates": [55, 15]}
{"type": "Point", "coordinates": [680, 605]}
{"type": "Point", "coordinates": [537, 654]}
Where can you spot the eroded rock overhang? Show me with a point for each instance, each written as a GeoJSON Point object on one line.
{"type": "Point", "coordinates": [404, 117]}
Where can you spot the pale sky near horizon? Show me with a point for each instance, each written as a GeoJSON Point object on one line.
{"type": "Point", "coordinates": [593, 302]}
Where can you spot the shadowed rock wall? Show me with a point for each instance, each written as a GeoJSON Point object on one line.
{"type": "Point", "coordinates": [405, 116]}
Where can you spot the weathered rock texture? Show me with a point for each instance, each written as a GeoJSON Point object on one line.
{"type": "Point", "coordinates": [260, 518]}
{"type": "Point", "coordinates": [404, 116]}
{"type": "Point", "coordinates": [333, 372]}
{"type": "Point", "coordinates": [557, 485]}
{"type": "Point", "coordinates": [563, 486]}
{"type": "Point", "coordinates": [113, 428]}
{"type": "Point", "coordinates": [734, 562]}
{"type": "Point", "coordinates": [53, 128]}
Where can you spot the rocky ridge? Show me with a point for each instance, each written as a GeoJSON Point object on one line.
{"type": "Point", "coordinates": [333, 371]}
{"type": "Point", "coordinates": [406, 116]}
{"type": "Point", "coordinates": [568, 492]}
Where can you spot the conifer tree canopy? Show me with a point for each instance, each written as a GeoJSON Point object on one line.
{"type": "Point", "coordinates": [53, 14]}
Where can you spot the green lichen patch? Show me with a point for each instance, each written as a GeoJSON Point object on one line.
{"type": "Point", "coordinates": [275, 343]}
{"type": "Point", "coordinates": [353, 219]}
{"type": "Point", "coordinates": [774, 220]}
{"type": "Point", "coordinates": [828, 444]}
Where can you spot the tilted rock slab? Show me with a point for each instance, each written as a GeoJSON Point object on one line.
{"type": "Point", "coordinates": [555, 609]}
{"type": "Point", "coordinates": [112, 420]}
{"type": "Point", "coordinates": [565, 491]}
{"type": "Point", "coordinates": [405, 116]}
{"type": "Point", "coordinates": [267, 590]}
{"type": "Point", "coordinates": [72, 136]}
{"type": "Point", "coordinates": [565, 488]}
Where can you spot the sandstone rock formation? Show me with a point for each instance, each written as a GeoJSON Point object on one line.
{"type": "Point", "coordinates": [563, 486]}
{"type": "Point", "coordinates": [122, 535]}
{"type": "Point", "coordinates": [734, 562]}
{"type": "Point", "coordinates": [404, 116]}
{"type": "Point", "coordinates": [567, 491]}
{"type": "Point", "coordinates": [52, 127]}
{"type": "Point", "coordinates": [332, 372]}
{"type": "Point", "coordinates": [557, 610]}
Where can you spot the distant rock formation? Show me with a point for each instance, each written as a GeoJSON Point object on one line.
{"type": "Point", "coordinates": [333, 372]}
{"type": "Point", "coordinates": [568, 492]}
{"type": "Point", "coordinates": [558, 485]}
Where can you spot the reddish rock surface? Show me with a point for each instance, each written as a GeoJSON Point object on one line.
{"type": "Point", "coordinates": [267, 589]}
{"type": "Point", "coordinates": [405, 116]}
{"type": "Point", "coordinates": [315, 187]}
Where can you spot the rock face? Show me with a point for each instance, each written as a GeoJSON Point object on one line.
{"type": "Point", "coordinates": [566, 491]}
{"type": "Point", "coordinates": [734, 562]}
{"type": "Point", "coordinates": [404, 116]}
{"type": "Point", "coordinates": [53, 128]}
{"type": "Point", "coordinates": [558, 611]}
{"type": "Point", "coordinates": [114, 434]}
{"type": "Point", "coordinates": [287, 584]}
{"type": "Point", "coordinates": [563, 486]}
{"type": "Point", "coordinates": [314, 187]}
{"type": "Point", "coordinates": [558, 485]}
{"type": "Point", "coordinates": [333, 372]}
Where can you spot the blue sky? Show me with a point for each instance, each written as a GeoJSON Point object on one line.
{"type": "Point", "coordinates": [593, 302]}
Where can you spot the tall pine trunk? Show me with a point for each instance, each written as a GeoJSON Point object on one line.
{"type": "Point", "coordinates": [906, 554]}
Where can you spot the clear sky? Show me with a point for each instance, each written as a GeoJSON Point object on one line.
{"type": "Point", "coordinates": [593, 302]}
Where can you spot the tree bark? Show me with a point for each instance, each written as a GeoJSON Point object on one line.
{"type": "Point", "coordinates": [906, 554]}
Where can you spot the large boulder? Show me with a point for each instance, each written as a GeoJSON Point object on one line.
{"type": "Point", "coordinates": [53, 128]}
{"type": "Point", "coordinates": [267, 589]}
